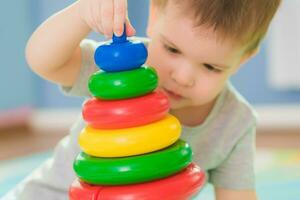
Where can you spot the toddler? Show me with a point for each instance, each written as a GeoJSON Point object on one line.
{"type": "Point", "coordinates": [195, 46]}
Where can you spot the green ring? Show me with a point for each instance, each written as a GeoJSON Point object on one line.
{"type": "Point", "coordinates": [124, 84]}
{"type": "Point", "coordinates": [133, 169]}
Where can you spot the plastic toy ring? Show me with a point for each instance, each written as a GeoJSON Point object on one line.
{"type": "Point", "coordinates": [123, 85]}
{"type": "Point", "coordinates": [130, 141]}
{"type": "Point", "coordinates": [133, 169]}
{"type": "Point", "coordinates": [182, 185]}
{"type": "Point", "coordinates": [125, 113]}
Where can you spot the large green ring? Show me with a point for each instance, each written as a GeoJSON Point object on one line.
{"type": "Point", "coordinates": [124, 84]}
{"type": "Point", "coordinates": [133, 169]}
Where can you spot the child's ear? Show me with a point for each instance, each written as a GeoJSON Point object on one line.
{"type": "Point", "coordinates": [153, 12]}
{"type": "Point", "coordinates": [247, 57]}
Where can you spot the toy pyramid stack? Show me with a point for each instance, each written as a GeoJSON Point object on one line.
{"type": "Point", "coordinates": [130, 147]}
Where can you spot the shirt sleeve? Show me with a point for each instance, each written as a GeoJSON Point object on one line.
{"type": "Point", "coordinates": [237, 170]}
{"type": "Point", "coordinates": [88, 67]}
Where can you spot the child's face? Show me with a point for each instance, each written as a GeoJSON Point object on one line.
{"type": "Point", "coordinates": [192, 64]}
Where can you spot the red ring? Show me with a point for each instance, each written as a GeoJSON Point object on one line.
{"type": "Point", "coordinates": [127, 112]}
{"type": "Point", "coordinates": [182, 185]}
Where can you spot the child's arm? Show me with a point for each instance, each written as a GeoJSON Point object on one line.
{"type": "Point", "coordinates": [53, 50]}
{"type": "Point", "coordinates": [227, 194]}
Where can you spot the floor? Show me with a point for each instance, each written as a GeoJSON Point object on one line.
{"type": "Point", "coordinates": [21, 141]}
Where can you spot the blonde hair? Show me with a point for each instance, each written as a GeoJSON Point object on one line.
{"type": "Point", "coordinates": [244, 21]}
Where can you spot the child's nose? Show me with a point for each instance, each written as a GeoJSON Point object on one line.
{"type": "Point", "coordinates": [183, 76]}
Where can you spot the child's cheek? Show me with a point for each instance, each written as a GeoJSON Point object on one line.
{"type": "Point", "coordinates": [162, 75]}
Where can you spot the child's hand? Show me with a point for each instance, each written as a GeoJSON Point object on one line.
{"type": "Point", "coordinates": [106, 16]}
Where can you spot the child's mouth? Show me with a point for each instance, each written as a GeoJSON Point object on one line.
{"type": "Point", "coordinates": [173, 95]}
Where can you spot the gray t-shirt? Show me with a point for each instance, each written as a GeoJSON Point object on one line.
{"type": "Point", "coordinates": [223, 146]}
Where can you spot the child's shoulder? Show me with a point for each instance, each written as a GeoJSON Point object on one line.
{"type": "Point", "coordinates": [237, 108]}
{"type": "Point", "coordinates": [240, 100]}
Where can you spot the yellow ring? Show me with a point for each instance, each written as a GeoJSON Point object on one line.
{"type": "Point", "coordinates": [130, 141]}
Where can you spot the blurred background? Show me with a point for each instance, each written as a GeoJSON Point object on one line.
{"type": "Point", "coordinates": [30, 106]}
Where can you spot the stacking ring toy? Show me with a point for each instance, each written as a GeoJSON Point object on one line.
{"type": "Point", "coordinates": [130, 141]}
{"type": "Point", "coordinates": [181, 186]}
{"type": "Point", "coordinates": [125, 113]}
{"type": "Point", "coordinates": [133, 169]}
{"type": "Point", "coordinates": [122, 85]}
{"type": "Point", "coordinates": [120, 55]}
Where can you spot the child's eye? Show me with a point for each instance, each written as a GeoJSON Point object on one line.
{"type": "Point", "coordinates": [171, 49]}
{"type": "Point", "coordinates": [211, 68]}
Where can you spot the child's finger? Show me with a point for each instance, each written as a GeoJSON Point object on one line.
{"type": "Point", "coordinates": [130, 30]}
{"type": "Point", "coordinates": [120, 10]}
{"type": "Point", "coordinates": [107, 11]}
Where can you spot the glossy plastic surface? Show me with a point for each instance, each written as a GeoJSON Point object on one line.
{"type": "Point", "coordinates": [181, 186]}
{"type": "Point", "coordinates": [130, 141]}
{"type": "Point", "coordinates": [120, 55]}
{"type": "Point", "coordinates": [125, 113]}
{"type": "Point", "coordinates": [133, 169]}
{"type": "Point", "coordinates": [123, 85]}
